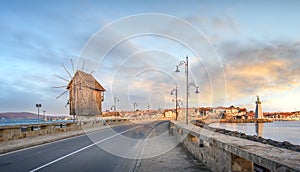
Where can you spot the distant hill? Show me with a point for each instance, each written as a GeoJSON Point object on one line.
{"type": "Point", "coordinates": [18, 115]}
{"type": "Point", "coordinates": [23, 115]}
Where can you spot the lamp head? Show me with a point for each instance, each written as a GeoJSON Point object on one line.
{"type": "Point", "coordinates": [177, 70]}
{"type": "Point", "coordinates": [197, 91]}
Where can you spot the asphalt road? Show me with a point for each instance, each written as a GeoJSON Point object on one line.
{"type": "Point", "coordinates": [113, 149]}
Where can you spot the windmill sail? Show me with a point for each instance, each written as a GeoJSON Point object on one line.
{"type": "Point", "coordinates": [61, 77]}
{"type": "Point", "coordinates": [66, 70]}
{"type": "Point", "coordinates": [72, 66]}
{"type": "Point", "coordinates": [61, 94]}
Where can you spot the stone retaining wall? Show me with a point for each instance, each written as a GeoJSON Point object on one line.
{"type": "Point", "coordinates": [31, 130]}
{"type": "Point", "coordinates": [221, 152]}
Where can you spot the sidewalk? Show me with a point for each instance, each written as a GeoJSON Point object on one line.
{"type": "Point", "coordinates": [165, 153]}
{"type": "Point", "coordinates": [176, 160]}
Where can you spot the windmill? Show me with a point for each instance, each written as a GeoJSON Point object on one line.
{"type": "Point", "coordinates": [85, 92]}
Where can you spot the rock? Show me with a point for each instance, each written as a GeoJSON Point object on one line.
{"type": "Point", "coordinates": [260, 139]}
{"type": "Point", "coordinates": [286, 144]}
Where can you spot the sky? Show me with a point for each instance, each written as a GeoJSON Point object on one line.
{"type": "Point", "coordinates": [236, 50]}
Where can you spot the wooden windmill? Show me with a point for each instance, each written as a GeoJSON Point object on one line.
{"type": "Point", "coordinates": [85, 93]}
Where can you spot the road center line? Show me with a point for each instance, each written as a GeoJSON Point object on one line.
{"type": "Point", "coordinates": [79, 150]}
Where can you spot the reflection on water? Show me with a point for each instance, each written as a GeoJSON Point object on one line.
{"type": "Point", "coordinates": [259, 129]}
{"type": "Point", "coordinates": [277, 130]}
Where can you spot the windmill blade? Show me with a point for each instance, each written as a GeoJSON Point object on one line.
{"type": "Point", "coordinates": [61, 94]}
{"type": "Point", "coordinates": [83, 65]}
{"type": "Point", "coordinates": [68, 102]}
{"type": "Point", "coordinates": [61, 78]}
{"type": "Point", "coordinates": [60, 86]}
{"type": "Point", "coordinates": [66, 70]}
{"type": "Point", "coordinates": [72, 66]}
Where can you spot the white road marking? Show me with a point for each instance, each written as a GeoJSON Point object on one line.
{"type": "Point", "coordinates": [72, 153]}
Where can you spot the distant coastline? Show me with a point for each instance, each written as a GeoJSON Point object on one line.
{"type": "Point", "coordinates": [28, 115]}
{"type": "Point", "coordinates": [263, 120]}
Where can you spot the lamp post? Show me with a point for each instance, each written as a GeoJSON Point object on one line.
{"type": "Point", "coordinates": [135, 105]}
{"type": "Point", "coordinates": [186, 63]}
{"type": "Point", "coordinates": [179, 103]}
{"type": "Point", "coordinates": [176, 101]}
{"type": "Point", "coordinates": [38, 106]}
{"type": "Point", "coordinates": [44, 114]}
{"type": "Point", "coordinates": [116, 99]}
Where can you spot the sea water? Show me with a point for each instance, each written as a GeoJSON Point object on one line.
{"type": "Point", "coordinates": [277, 130]}
{"type": "Point", "coordinates": [12, 122]}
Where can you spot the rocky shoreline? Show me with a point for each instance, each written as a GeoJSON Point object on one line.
{"type": "Point", "coordinates": [284, 144]}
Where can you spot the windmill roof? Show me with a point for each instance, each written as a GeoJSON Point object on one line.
{"type": "Point", "coordinates": [88, 81]}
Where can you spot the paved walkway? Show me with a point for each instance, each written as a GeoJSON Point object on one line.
{"type": "Point", "coordinates": [164, 153]}
{"type": "Point", "coordinates": [178, 159]}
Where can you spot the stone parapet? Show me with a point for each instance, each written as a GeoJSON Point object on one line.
{"type": "Point", "coordinates": [221, 152]}
{"type": "Point", "coordinates": [31, 130]}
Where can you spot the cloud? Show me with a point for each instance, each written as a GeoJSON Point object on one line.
{"type": "Point", "coordinates": [261, 69]}
{"type": "Point", "coordinates": [214, 25]}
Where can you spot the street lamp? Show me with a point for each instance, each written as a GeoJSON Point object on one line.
{"type": "Point", "coordinates": [186, 63]}
{"type": "Point", "coordinates": [113, 107]}
{"type": "Point", "coordinates": [44, 114]}
{"type": "Point", "coordinates": [176, 101]}
{"type": "Point", "coordinates": [116, 99]}
{"type": "Point", "coordinates": [38, 106]}
{"type": "Point", "coordinates": [179, 103]}
{"type": "Point", "coordinates": [194, 85]}
{"type": "Point", "coordinates": [135, 105]}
